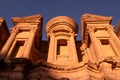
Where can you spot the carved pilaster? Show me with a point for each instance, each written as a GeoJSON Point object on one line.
{"type": "Point", "coordinates": [95, 43]}
{"type": "Point", "coordinates": [114, 38]}
{"type": "Point", "coordinates": [73, 53]}
{"type": "Point", "coordinates": [30, 43]}
{"type": "Point", "coordinates": [51, 51]}
{"type": "Point", "coordinates": [9, 42]}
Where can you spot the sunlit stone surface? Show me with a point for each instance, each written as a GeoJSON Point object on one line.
{"type": "Point", "coordinates": [25, 56]}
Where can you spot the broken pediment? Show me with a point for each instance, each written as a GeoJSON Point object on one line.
{"type": "Point", "coordinates": [27, 19]}
{"type": "Point", "coordinates": [88, 20]}
{"type": "Point", "coordinates": [24, 55]}
{"type": "Point", "coordinates": [92, 17]}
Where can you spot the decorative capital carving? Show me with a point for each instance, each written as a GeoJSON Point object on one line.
{"type": "Point", "coordinates": [72, 33]}
{"type": "Point", "coordinates": [90, 29]}
{"type": "Point", "coordinates": [34, 29]}
{"type": "Point", "coordinates": [52, 34]}
{"type": "Point", "coordinates": [15, 30]}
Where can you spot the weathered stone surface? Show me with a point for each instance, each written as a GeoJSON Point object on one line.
{"type": "Point", "coordinates": [27, 19]}
{"type": "Point", "coordinates": [25, 56]}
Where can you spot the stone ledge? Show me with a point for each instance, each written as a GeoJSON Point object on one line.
{"type": "Point", "coordinates": [59, 67]}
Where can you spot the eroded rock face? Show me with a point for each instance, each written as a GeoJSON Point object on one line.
{"type": "Point", "coordinates": [25, 56]}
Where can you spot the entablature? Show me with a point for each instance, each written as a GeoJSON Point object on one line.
{"type": "Point", "coordinates": [28, 19]}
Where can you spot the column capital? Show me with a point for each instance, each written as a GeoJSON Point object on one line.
{"type": "Point", "coordinates": [34, 29]}
{"type": "Point", "coordinates": [90, 29]}
{"type": "Point", "coordinates": [15, 30]}
{"type": "Point", "coordinates": [52, 34]}
{"type": "Point", "coordinates": [111, 28]}
{"type": "Point", "coordinates": [72, 33]}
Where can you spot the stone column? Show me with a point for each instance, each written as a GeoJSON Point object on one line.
{"type": "Point", "coordinates": [9, 42]}
{"type": "Point", "coordinates": [114, 38]}
{"type": "Point", "coordinates": [73, 51]}
{"type": "Point", "coordinates": [51, 51]}
{"type": "Point", "coordinates": [95, 43]}
{"type": "Point", "coordinates": [91, 57]}
{"type": "Point", "coordinates": [30, 43]}
{"type": "Point", "coordinates": [117, 52]}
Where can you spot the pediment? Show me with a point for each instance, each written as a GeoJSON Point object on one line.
{"type": "Point", "coordinates": [28, 19]}
{"type": "Point", "coordinates": [92, 17]}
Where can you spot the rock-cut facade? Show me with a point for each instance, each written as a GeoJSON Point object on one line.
{"type": "Point", "coordinates": [24, 55]}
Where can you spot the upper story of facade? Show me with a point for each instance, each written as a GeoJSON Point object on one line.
{"type": "Point", "coordinates": [62, 48]}
{"type": "Point", "coordinates": [95, 57]}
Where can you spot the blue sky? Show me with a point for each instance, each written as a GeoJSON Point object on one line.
{"type": "Point", "coordinates": [51, 8]}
